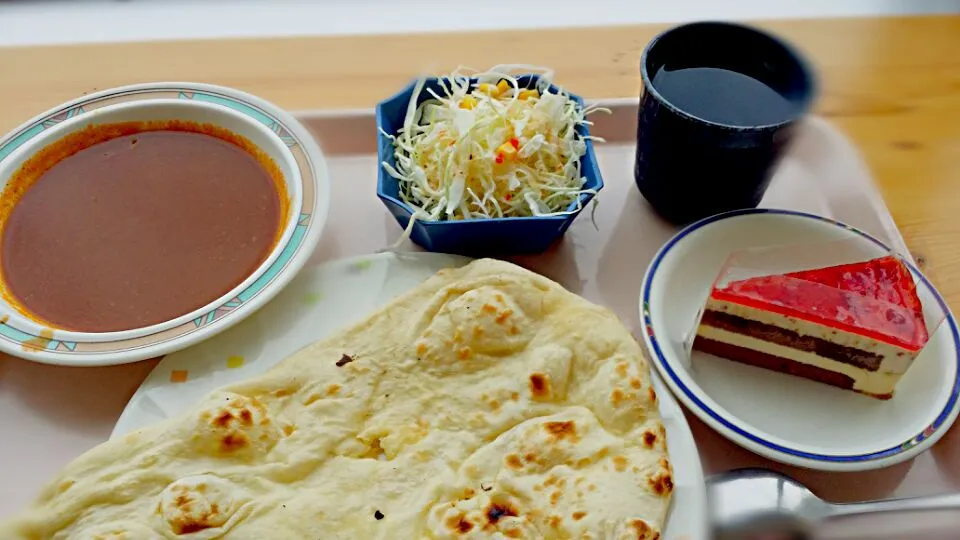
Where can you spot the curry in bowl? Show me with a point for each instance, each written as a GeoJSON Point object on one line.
{"type": "Point", "coordinates": [125, 225]}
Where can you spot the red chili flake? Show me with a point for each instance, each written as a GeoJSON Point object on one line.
{"type": "Point", "coordinates": [499, 158]}
{"type": "Point", "coordinates": [507, 197]}
{"type": "Point", "coordinates": [515, 143]}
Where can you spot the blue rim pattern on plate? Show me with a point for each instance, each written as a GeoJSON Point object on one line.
{"type": "Point", "coordinates": [32, 342]}
{"type": "Point", "coordinates": [929, 431]}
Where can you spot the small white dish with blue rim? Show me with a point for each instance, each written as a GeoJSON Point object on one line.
{"type": "Point", "coordinates": [779, 416]}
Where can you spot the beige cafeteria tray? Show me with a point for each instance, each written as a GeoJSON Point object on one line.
{"type": "Point", "coordinates": [822, 174]}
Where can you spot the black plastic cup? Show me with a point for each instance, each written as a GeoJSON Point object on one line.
{"type": "Point", "coordinates": [692, 163]}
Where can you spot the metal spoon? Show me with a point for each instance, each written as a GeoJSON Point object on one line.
{"type": "Point", "coordinates": [748, 502]}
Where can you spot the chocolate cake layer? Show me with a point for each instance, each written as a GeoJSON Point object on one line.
{"type": "Point", "coordinates": [778, 364]}
{"type": "Point", "coordinates": [788, 338]}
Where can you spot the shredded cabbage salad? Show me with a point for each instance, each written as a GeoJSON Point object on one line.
{"type": "Point", "coordinates": [485, 147]}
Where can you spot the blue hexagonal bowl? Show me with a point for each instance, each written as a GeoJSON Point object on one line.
{"type": "Point", "coordinates": [474, 237]}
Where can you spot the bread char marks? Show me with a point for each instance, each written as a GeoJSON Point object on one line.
{"type": "Point", "coordinates": [471, 329]}
{"type": "Point", "coordinates": [551, 471]}
{"type": "Point", "coordinates": [237, 426]}
{"type": "Point", "coordinates": [622, 396]}
{"type": "Point", "coordinates": [480, 515]}
{"type": "Point", "coordinates": [483, 345]}
{"type": "Point", "coordinates": [199, 504]}
{"type": "Point", "coordinates": [322, 408]}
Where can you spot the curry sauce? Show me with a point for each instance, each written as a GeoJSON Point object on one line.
{"type": "Point", "coordinates": [126, 225]}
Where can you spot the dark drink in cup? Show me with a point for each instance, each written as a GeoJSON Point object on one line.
{"type": "Point", "coordinates": [719, 106]}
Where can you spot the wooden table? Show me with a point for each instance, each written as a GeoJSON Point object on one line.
{"type": "Point", "coordinates": [892, 84]}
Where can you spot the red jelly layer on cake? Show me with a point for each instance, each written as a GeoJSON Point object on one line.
{"type": "Point", "coordinates": [876, 299]}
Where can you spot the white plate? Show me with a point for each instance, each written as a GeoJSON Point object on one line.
{"type": "Point", "coordinates": [786, 418]}
{"type": "Point", "coordinates": [325, 298]}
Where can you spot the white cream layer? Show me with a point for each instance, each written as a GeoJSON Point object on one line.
{"type": "Point", "coordinates": [871, 382]}
{"type": "Point", "coordinates": [895, 359]}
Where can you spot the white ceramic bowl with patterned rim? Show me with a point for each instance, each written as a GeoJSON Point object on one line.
{"type": "Point", "coordinates": [267, 126]}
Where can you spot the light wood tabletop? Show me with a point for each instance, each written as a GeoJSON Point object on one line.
{"type": "Point", "coordinates": [891, 84]}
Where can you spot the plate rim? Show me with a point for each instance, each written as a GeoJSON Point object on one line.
{"type": "Point", "coordinates": [220, 315]}
{"type": "Point", "coordinates": [696, 462]}
{"type": "Point", "coordinates": [750, 440]}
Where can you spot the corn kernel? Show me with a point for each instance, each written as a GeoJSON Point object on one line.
{"type": "Point", "coordinates": [527, 94]}
{"type": "Point", "coordinates": [503, 86]}
{"type": "Point", "coordinates": [488, 89]}
{"type": "Point", "coordinates": [506, 150]}
{"type": "Point", "coordinates": [468, 102]}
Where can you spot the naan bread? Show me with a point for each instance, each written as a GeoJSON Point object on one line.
{"type": "Point", "coordinates": [487, 403]}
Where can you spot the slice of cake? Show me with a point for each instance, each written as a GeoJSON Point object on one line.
{"type": "Point", "coordinates": [857, 326]}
